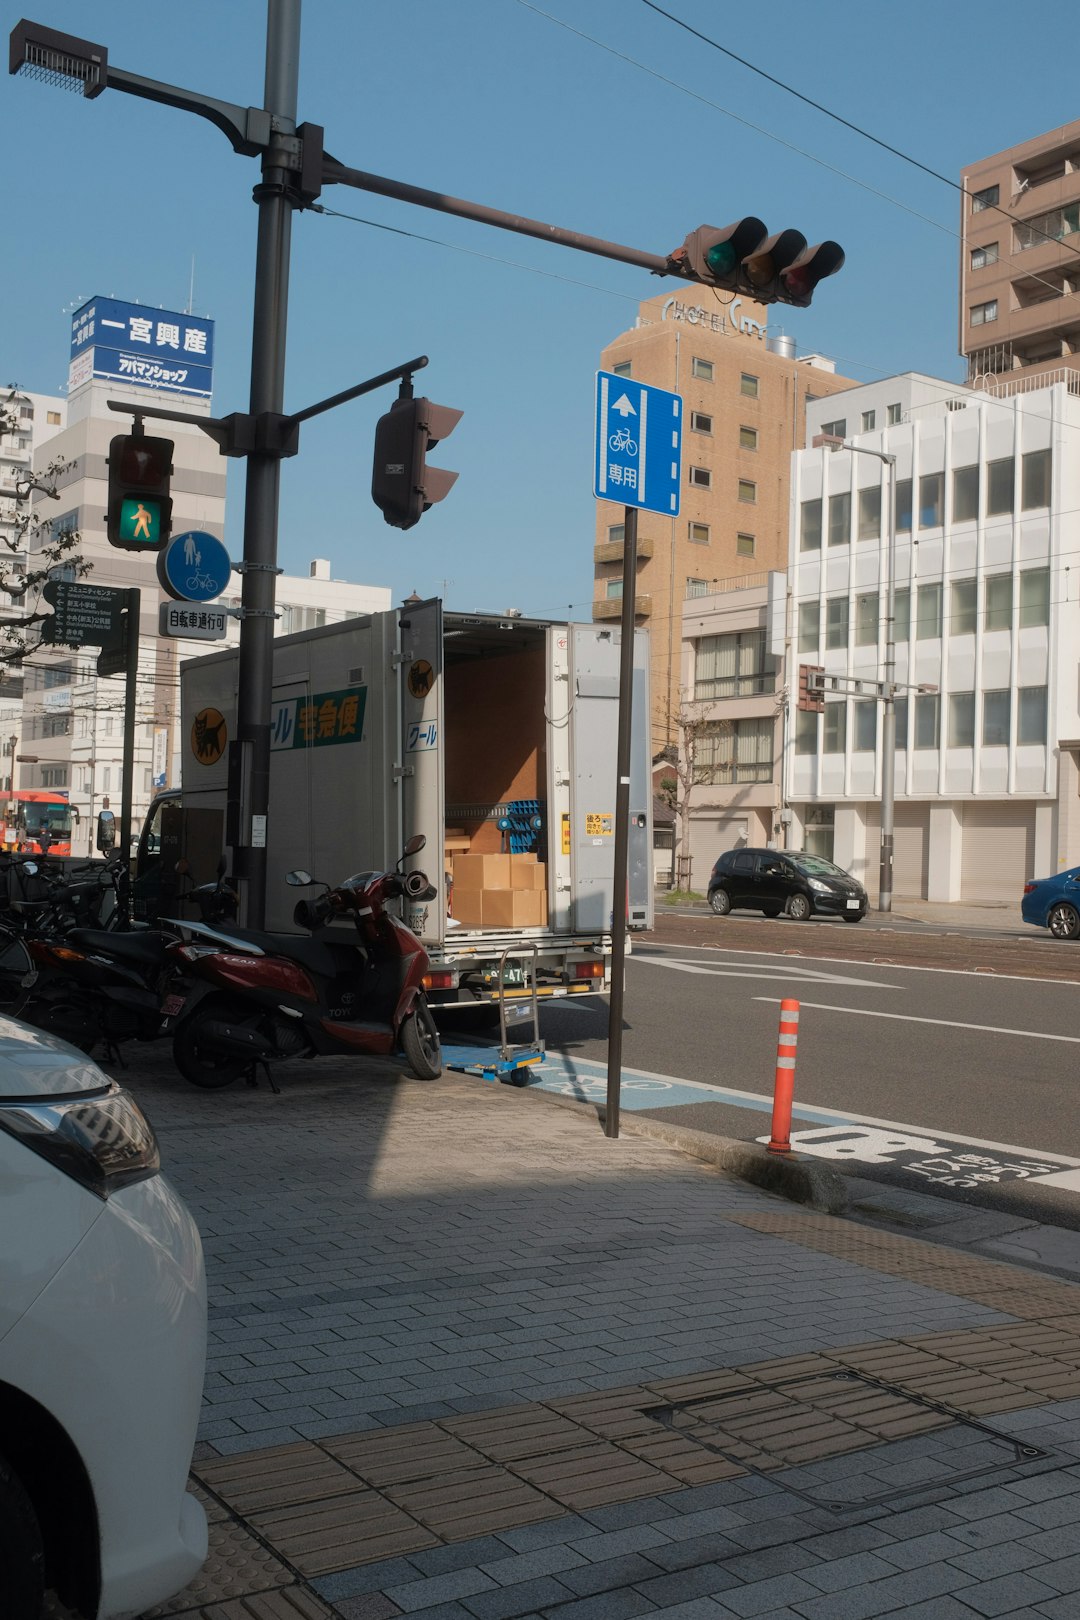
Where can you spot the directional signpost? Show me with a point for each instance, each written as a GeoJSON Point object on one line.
{"type": "Point", "coordinates": [638, 460]}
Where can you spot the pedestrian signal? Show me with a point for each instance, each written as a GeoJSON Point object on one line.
{"type": "Point", "coordinates": [139, 515]}
{"type": "Point", "coordinates": [403, 486]}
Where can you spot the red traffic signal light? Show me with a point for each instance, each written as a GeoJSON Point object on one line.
{"type": "Point", "coordinates": [744, 258]}
{"type": "Point", "coordinates": [139, 514]}
{"type": "Point", "coordinates": [811, 688]}
{"type": "Point", "coordinates": [403, 486]}
{"type": "Point", "coordinates": [798, 281]}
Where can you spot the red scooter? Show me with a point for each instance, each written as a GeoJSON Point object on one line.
{"type": "Point", "coordinates": [245, 997]}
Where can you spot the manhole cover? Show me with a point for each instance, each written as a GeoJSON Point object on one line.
{"type": "Point", "coordinates": [845, 1441]}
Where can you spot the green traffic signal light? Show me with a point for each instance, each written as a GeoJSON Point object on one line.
{"type": "Point", "coordinates": [140, 523]}
{"type": "Point", "coordinates": [721, 258]}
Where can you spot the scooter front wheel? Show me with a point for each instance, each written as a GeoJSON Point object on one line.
{"type": "Point", "coordinates": [194, 1053]}
{"type": "Point", "coordinates": [420, 1043]}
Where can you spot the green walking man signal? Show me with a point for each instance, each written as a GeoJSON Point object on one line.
{"type": "Point", "coordinates": [139, 516]}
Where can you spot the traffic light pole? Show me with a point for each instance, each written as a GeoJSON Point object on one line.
{"type": "Point", "coordinates": [275, 201]}
{"type": "Point", "coordinates": [622, 824]}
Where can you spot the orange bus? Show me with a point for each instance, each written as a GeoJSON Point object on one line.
{"type": "Point", "coordinates": [37, 822]}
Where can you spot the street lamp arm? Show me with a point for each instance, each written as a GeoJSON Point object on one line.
{"type": "Point", "coordinates": [248, 129]}
{"type": "Point", "coordinates": [335, 173]}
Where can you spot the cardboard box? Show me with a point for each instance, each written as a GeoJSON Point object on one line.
{"type": "Point", "coordinates": [513, 908]}
{"type": "Point", "coordinates": [526, 872]}
{"type": "Point", "coordinates": [467, 907]}
{"type": "Point", "coordinates": [481, 872]}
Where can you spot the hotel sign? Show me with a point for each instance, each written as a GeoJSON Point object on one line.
{"type": "Point", "coordinates": [713, 320]}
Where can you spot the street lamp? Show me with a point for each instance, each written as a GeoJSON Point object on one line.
{"type": "Point", "coordinates": [832, 441]}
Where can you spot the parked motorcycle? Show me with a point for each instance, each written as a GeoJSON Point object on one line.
{"type": "Point", "coordinates": [254, 997]}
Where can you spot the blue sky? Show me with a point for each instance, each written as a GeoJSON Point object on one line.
{"type": "Point", "coordinates": [493, 101]}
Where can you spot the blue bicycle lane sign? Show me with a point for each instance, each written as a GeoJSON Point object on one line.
{"type": "Point", "coordinates": [638, 444]}
{"type": "Point", "coordinates": [194, 567]}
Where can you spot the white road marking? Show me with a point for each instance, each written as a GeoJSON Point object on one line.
{"type": "Point", "coordinates": [723, 971]}
{"type": "Point", "coordinates": [947, 1023]}
{"type": "Point", "coordinates": [644, 953]}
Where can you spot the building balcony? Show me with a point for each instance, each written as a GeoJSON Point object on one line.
{"type": "Point", "coordinates": [611, 551]}
{"type": "Point", "coordinates": [611, 608]}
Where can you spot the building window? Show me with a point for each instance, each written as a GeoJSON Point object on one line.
{"type": "Point", "coordinates": [837, 429]}
{"type": "Point", "coordinates": [995, 723]}
{"type": "Point", "coordinates": [52, 418]}
{"type": "Point", "coordinates": [961, 720]}
{"type": "Point", "coordinates": [866, 620]}
{"type": "Point", "coordinates": [997, 600]}
{"type": "Point", "coordinates": [697, 587]}
{"type": "Point", "coordinates": [54, 776]}
{"type": "Point", "coordinates": [963, 607]}
{"type": "Point", "coordinates": [900, 708]}
{"type": "Point", "coordinates": [701, 369]}
{"type": "Point", "coordinates": [805, 732]}
{"type": "Point", "coordinates": [1031, 714]}
{"type": "Point", "coordinates": [983, 314]}
{"type": "Point", "coordinates": [745, 545]}
{"type": "Point", "coordinates": [987, 198]}
{"type": "Point", "coordinates": [931, 500]}
{"type": "Point", "coordinates": [747, 438]}
{"type": "Point", "coordinates": [893, 414]}
{"type": "Point", "coordinates": [735, 751]}
{"type": "Point", "coordinates": [902, 616]}
{"type": "Point", "coordinates": [903, 505]}
{"type": "Point", "coordinates": [982, 256]}
{"type": "Point", "coordinates": [869, 421]}
{"type": "Point", "coordinates": [731, 666]}
{"type": "Point", "coordinates": [1034, 597]}
{"type": "Point", "coordinates": [840, 519]}
{"type": "Point", "coordinates": [928, 612]}
{"type": "Point", "coordinates": [698, 533]}
{"type": "Point", "coordinates": [614, 590]}
{"type": "Point", "coordinates": [864, 739]}
{"type": "Point", "coordinates": [836, 622]}
{"type": "Point", "coordinates": [748, 385]}
{"type": "Point", "coordinates": [810, 528]}
{"type": "Point", "coordinates": [747, 492]}
{"type": "Point", "coordinates": [999, 487]}
{"type": "Point", "coordinates": [965, 494]}
{"type": "Point", "coordinates": [700, 423]}
{"type": "Point", "coordinates": [1035, 479]}
{"type": "Point", "coordinates": [623, 369]}
{"type": "Point", "coordinates": [809, 627]}
{"type": "Point", "coordinates": [927, 720]}
{"type": "Point", "coordinates": [1051, 227]}
{"type": "Point", "coordinates": [701, 477]}
{"type": "Point", "coordinates": [835, 728]}
{"type": "Point", "coordinates": [870, 513]}
{"type": "Point", "coordinates": [616, 534]}
{"type": "Point", "coordinates": [819, 825]}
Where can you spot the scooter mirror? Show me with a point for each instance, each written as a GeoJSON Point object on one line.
{"type": "Point", "coordinates": [416, 843]}
{"type": "Point", "coordinates": [299, 879]}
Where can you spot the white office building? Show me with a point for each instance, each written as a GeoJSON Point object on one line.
{"type": "Point", "coordinates": [987, 556]}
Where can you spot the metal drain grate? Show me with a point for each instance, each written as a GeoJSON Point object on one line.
{"type": "Point", "coordinates": [845, 1441]}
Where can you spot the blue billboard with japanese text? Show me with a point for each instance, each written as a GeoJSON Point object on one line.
{"type": "Point", "coordinates": [134, 343]}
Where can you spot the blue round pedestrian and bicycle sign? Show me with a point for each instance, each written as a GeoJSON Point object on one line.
{"type": "Point", "coordinates": [194, 567]}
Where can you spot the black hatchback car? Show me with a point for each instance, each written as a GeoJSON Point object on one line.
{"type": "Point", "coordinates": [778, 880]}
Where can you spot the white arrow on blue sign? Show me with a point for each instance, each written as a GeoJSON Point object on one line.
{"type": "Point", "coordinates": [638, 444]}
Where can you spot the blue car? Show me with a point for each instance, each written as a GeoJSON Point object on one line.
{"type": "Point", "coordinates": [1054, 903]}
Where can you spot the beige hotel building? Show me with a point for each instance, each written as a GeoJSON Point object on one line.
{"type": "Point", "coordinates": [744, 395]}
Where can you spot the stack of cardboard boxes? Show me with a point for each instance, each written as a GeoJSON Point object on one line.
{"type": "Point", "coordinates": [499, 891]}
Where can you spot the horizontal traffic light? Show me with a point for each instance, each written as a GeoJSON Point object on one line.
{"type": "Point", "coordinates": [744, 258]}
{"type": "Point", "coordinates": [139, 514]}
{"type": "Point", "coordinates": [811, 697]}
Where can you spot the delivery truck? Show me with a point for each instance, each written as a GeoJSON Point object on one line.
{"type": "Point", "coordinates": [492, 735]}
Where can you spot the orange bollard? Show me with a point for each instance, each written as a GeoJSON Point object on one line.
{"type": "Point", "coordinates": [784, 1083]}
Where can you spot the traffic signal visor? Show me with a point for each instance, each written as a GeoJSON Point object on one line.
{"type": "Point", "coordinates": [713, 254]}
{"type": "Point", "coordinates": [798, 281]}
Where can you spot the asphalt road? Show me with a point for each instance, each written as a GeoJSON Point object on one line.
{"type": "Point", "coordinates": [959, 1080]}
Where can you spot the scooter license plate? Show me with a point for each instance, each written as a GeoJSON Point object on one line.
{"type": "Point", "coordinates": [172, 1006]}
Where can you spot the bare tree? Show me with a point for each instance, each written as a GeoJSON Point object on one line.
{"type": "Point", "coordinates": [690, 723]}
{"type": "Point", "coordinates": [35, 548]}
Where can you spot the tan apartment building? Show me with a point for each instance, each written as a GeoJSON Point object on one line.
{"type": "Point", "coordinates": [1020, 260]}
{"type": "Point", "coordinates": [744, 398]}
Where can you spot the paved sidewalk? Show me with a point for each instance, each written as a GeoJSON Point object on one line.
{"type": "Point", "coordinates": [470, 1360]}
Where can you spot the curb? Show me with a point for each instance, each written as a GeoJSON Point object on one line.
{"type": "Point", "coordinates": [803, 1181]}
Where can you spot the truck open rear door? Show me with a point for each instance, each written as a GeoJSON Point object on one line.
{"type": "Point", "coordinates": [420, 767]}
